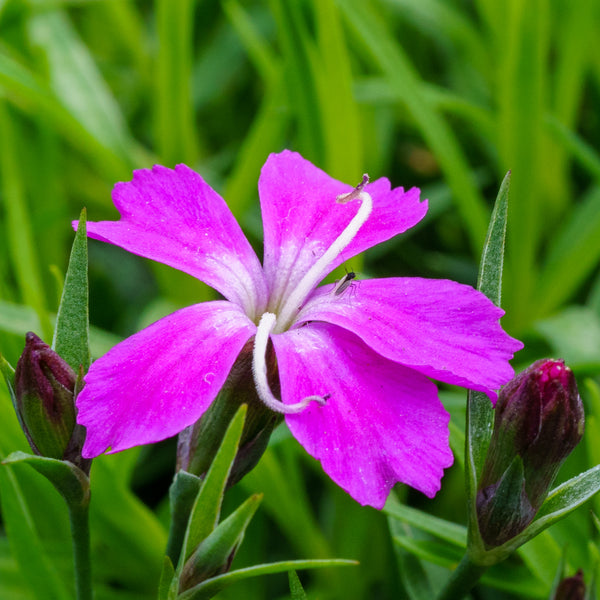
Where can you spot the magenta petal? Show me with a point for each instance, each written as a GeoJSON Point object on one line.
{"type": "Point", "coordinates": [444, 329]}
{"type": "Point", "coordinates": [175, 217]}
{"type": "Point", "coordinates": [302, 218]}
{"type": "Point", "coordinates": [162, 379]}
{"type": "Point", "coordinates": [383, 422]}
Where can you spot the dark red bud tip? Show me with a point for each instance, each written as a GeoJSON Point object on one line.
{"type": "Point", "coordinates": [571, 588]}
{"type": "Point", "coordinates": [555, 370]}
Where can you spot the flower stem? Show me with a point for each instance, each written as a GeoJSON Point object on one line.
{"type": "Point", "coordinates": [80, 535]}
{"type": "Point", "coordinates": [462, 580]}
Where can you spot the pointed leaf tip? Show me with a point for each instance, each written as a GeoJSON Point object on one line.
{"type": "Point", "coordinates": [71, 337]}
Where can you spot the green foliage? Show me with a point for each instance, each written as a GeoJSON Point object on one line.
{"type": "Point", "coordinates": [432, 93]}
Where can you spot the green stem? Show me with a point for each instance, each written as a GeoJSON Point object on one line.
{"type": "Point", "coordinates": [80, 534]}
{"type": "Point", "coordinates": [462, 580]}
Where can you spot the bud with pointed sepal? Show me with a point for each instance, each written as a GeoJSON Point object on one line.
{"type": "Point", "coordinates": [44, 387]}
{"type": "Point", "coordinates": [571, 588]}
{"type": "Point", "coordinates": [539, 418]}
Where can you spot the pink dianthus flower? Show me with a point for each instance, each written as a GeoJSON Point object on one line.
{"type": "Point", "coordinates": [354, 368]}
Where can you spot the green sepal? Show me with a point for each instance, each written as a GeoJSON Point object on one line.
{"type": "Point", "coordinates": [508, 510]}
{"type": "Point", "coordinates": [70, 481]}
{"type": "Point", "coordinates": [207, 507]}
{"type": "Point", "coordinates": [215, 553]}
{"type": "Point", "coordinates": [211, 587]}
{"type": "Point", "coordinates": [296, 589]}
{"type": "Point", "coordinates": [480, 414]}
{"type": "Point", "coordinates": [182, 495]}
{"type": "Point", "coordinates": [71, 336]}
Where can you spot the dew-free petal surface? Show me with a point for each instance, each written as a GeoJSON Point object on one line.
{"type": "Point", "coordinates": [383, 422]}
{"type": "Point", "coordinates": [176, 218]}
{"type": "Point", "coordinates": [301, 217]}
{"type": "Point", "coordinates": [444, 329]}
{"type": "Point", "coordinates": [162, 379]}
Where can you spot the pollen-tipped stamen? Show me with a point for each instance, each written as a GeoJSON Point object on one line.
{"type": "Point", "coordinates": [259, 371]}
{"type": "Point", "coordinates": [295, 300]}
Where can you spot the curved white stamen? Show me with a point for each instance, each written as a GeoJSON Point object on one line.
{"type": "Point", "coordinates": [259, 371]}
{"type": "Point", "coordinates": [294, 301]}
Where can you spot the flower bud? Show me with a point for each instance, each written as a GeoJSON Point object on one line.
{"type": "Point", "coordinates": [44, 388]}
{"type": "Point", "coordinates": [539, 418]}
{"type": "Point", "coordinates": [198, 444]}
{"type": "Point", "coordinates": [571, 588]}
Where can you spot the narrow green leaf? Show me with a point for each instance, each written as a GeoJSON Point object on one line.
{"type": "Point", "coordinates": [479, 408]}
{"type": "Point", "coordinates": [71, 335]}
{"type": "Point", "coordinates": [76, 80]}
{"type": "Point", "coordinates": [131, 534]}
{"type": "Point", "coordinates": [489, 281]}
{"type": "Point", "coordinates": [175, 125]}
{"type": "Point", "coordinates": [444, 530]}
{"type": "Point", "coordinates": [262, 57]}
{"type": "Point", "coordinates": [70, 481]}
{"type": "Point", "coordinates": [520, 94]}
{"type": "Point", "coordinates": [403, 77]}
{"type": "Point", "coordinates": [266, 132]}
{"type": "Point", "coordinates": [210, 588]}
{"type": "Point", "coordinates": [584, 153]}
{"type": "Point", "coordinates": [299, 76]}
{"type": "Point", "coordinates": [565, 498]}
{"type": "Point", "coordinates": [431, 551]}
{"type": "Point", "coordinates": [18, 228]}
{"type": "Point", "coordinates": [296, 589]}
{"type": "Point", "coordinates": [207, 508]}
{"type": "Point", "coordinates": [509, 577]}
{"type": "Point", "coordinates": [414, 577]}
{"type": "Point", "coordinates": [31, 95]}
{"type": "Point", "coordinates": [342, 135]}
{"type": "Point", "coordinates": [35, 565]}
{"type": "Point", "coordinates": [216, 551]}
{"type": "Point", "coordinates": [573, 254]}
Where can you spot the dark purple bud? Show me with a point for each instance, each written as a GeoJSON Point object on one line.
{"type": "Point", "coordinates": [571, 588]}
{"type": "Point", "coordinates": [539, 418]}
{"type": "Point", "coordinates": [44, 388]}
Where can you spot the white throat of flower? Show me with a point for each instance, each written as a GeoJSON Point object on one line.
{"type": "Point", "coordinates": [270, 322]}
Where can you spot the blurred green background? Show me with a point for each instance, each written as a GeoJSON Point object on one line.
{"type": "Point", "coordinates": [446, 95]}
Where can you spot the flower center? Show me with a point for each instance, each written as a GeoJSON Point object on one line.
{"type": "Point", "coordinates": [259, 371]}
{"type": "Point", "coordinates": [269, 322]}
